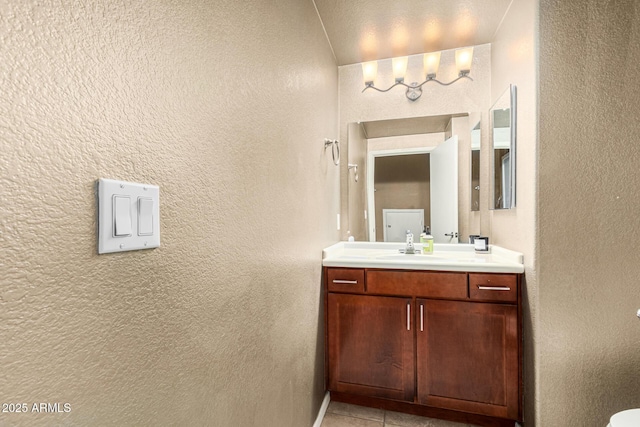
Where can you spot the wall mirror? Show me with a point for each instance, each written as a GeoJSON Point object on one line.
{"type": "Point", "coordinates": [413, 172]}
{"type": "Point", "coordinates": [503, 151]}
{"type": "Point", "coordinates": [475, 167]}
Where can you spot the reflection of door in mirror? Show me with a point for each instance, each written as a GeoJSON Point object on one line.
{"type": "Point", "coordinates": [503, 147]}
{"type": "Point", "coordinates": [506, 180]}
{"type": "Point", "coordinates": [475, 167]}
{"type": "Point", "coordinates": [444, 191]}
{"type": "Point", "coordinates": [501, 177]}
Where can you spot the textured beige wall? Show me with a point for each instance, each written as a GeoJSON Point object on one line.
{"type": "Point", "coordinates": [589, 262]}
{"type": "Point", "coordinates": [462, 97]}
{"type": "Point", "coordinates": [225, 106]}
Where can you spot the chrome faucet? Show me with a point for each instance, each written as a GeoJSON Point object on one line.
{"type": "Point", "coordinates": [409, 249]}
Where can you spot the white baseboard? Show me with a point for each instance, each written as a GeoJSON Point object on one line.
{"type": "Point", "coordinates": [323, 410]}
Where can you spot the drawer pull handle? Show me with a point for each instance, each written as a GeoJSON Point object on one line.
{"type": "Point", "coordinates": [408, 316]}
{"type": "Point", "coordinates": [421, 317]}
{"type": "Point", "coordinates": [345, 282]}
{"type": "Point", "coordinates": [494, 288]}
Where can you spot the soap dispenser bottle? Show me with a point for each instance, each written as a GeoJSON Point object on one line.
{"type": "Point", "coordinates": [427, 241]}
{"type": "Point", "coordinates": [410, 248]}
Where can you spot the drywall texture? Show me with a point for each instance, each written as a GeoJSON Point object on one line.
{"type": "Point", "coordinates": [589, 262]}
{"type": "Point", "coordinates": [225, 106]}
{"type": "Point", "coordinates": [513, 61]}
{"type": "Point", "coordinates": [464, 96]}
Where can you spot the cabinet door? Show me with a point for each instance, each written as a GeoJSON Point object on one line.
{"type": "Point", "coordinates": [371, 346]}
{"type": "Point", "coordinates": [467, 357]}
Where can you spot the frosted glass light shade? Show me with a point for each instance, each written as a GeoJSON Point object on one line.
{"type": "Point", "coordinates": [369, 72]}
{"type": "Point", "coordinates": [399, 67]}
{"type": "Point", "coordinates": [431, 64]}
{"type": "Point", "coordinates": [463, 60]}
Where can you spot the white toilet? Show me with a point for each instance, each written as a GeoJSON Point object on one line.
{"type": "Point", "coordinates": [628, 418]}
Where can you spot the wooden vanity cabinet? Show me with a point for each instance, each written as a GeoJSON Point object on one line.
{"type": "Point", "coordinates": [439, 344]}
{"type": "Point", "coordinates": [371, 346]}
{"type": "Point", "coordinates": [467, 357]}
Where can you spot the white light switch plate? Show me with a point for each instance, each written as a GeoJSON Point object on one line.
{"type": "Point", "coordinates": [107, 240]}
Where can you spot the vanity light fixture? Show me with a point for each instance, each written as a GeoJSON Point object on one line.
{"type": "Point", "coordinates": [431, 63]}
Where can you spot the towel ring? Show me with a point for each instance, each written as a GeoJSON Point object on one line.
{"type": "Point", "coordinates": [335, 150]}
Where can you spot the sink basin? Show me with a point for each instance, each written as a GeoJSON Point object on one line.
{"type": "Point", "coordinates": [414, 257]}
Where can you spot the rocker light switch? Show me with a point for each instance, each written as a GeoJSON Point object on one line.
{"type": "Point", "coordinates": [128, 216]}
{"type": "Point", "coordinates": [121, 216]}
{"type": "Point", "coordinates": [145, 216]}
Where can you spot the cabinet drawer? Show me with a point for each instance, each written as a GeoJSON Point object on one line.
{"type": "Point", "coordinates": [493, 287]}
{"type": "Point", "coordinates": [345, 280]}
{"type": "Point", "coordinates": [425, 284]}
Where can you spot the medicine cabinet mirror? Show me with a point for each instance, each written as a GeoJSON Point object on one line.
{"type": "Point", "coordinates": [475, 167]}
{"type": "Point", "coordinates": [503, 151]}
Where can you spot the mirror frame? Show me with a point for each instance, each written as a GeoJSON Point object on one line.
{"type": "Point", "coordinates": [512, 92]}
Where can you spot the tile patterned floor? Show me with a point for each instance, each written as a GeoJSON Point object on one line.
{"type": "Point", "coordinates": [345, 415]}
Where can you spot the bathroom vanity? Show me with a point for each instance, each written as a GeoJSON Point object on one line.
{"type": "Point", "coordinates": [435, 335]}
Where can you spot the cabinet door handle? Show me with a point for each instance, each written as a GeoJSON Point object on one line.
{"type": "Point", "coordinates": [408, 316]}
{"type": "Point", "coordinates": [494, 288]}
{"type": "Point", "coordinates": [421, 317]}
{"type": "Point", "coordinates": [345, 282]}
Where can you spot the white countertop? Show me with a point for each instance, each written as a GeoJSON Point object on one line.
{"type": "Point", "coordinates": [445, 257]}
